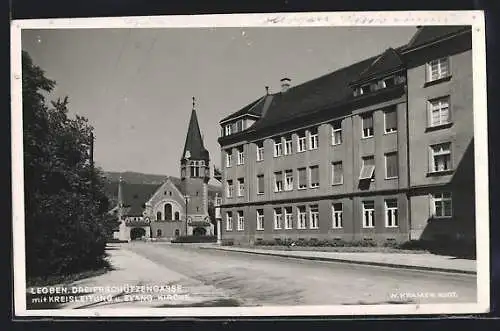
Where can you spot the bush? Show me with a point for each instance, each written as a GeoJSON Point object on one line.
{"type": "Point", "coordinates": [195, 239]}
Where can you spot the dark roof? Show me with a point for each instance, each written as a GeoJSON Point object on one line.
{"type": "Point", "coordinates": [430, 33]}
{"type": "Point", "coordinates": [314, 95]}
{"type": "Point", "coordinates": [253, 108]}
{"type": "Point", "coordinates": [387, 62]}
{"type": "Point", "coordinates": [134, 195]}
{"type": "Point", "coordinates": [335, 88]}
{"type": "Point", "coordinates": [194, 141]}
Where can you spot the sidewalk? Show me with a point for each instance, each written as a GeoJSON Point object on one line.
{"type": "Point", "coordinates": [135, 282]}
{"type": "Point", "coordinates": [429, 262]}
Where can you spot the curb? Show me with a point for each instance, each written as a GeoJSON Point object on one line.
{"type": "Point", "coordinates": [370, 263]}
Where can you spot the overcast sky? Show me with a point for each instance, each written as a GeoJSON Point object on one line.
{"type": "Point", "coordinates": [135, 85]}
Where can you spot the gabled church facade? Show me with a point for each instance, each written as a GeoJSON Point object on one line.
{"type": "Point", "coordinates": [173, 208]}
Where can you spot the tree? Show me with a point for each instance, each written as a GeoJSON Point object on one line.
{"type": "Point", "coordinates": [66, 218]}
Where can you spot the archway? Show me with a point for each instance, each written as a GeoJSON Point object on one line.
{"type": "Point", "coordinates": [158, 233]}
{"type": "Point", "coordinates": [198, 231]}
{"type": "Point", "coordinates": [168, 212]}
{"type": "Point", "coordinates": [137, 233]}
{"type": "Point", "coordinates": [177, 233]}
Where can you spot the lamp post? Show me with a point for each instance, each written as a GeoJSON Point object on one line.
{"type": "Point", "coordinates": [186, 200]}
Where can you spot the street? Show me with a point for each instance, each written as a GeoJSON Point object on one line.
{"type": "Point", "coordinates": [251, 280]}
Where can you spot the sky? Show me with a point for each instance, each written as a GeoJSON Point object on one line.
{"type": "Point", "coordinates": [136, 85]}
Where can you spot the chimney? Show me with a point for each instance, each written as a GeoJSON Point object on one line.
{"type": "Point", "coordinates": [267, 90]}
{"type": "Point", "coordinates": [285, 84]}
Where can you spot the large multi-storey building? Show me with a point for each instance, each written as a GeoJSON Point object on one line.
{"type": "Point", "coordinates": [380, 150]}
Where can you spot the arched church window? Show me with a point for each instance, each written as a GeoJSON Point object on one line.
{"type": "Point", "coordinates": [158, 216]}
{"type": "Point", "coordinates": [168, 212]}
{"type": "Point", "coordinates": [177, 216]}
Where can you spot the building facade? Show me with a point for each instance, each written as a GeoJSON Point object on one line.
{"type": "Point", "coordinates": [174, 208]}
{"type": "Point", "coordinates": [377, 151]}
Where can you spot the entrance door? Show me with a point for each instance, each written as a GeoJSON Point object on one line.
{"type": "Point", "coordinates": [137, 233]}
{"type": "Point", "coordinates": [199, 231]}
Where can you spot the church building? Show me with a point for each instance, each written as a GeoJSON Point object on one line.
{"type": "Point", "coordinates": [174, 208]}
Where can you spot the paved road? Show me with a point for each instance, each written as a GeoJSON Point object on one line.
{"type": "Point", "coordinates": [265, 280]}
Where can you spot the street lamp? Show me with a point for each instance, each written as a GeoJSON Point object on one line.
{"type": "Point", "coordinates": [186, 200]}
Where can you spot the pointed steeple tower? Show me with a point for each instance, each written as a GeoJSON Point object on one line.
{"type": "Point", "coordinates": [193, 146]}
{"type": "Point", "coordinates": [195, 157]}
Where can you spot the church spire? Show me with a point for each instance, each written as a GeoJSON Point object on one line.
{"type": "Point", "coordinates": [193, 146]}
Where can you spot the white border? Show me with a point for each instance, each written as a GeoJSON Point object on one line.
{"type": "Point", "coordinates": [393, 18]}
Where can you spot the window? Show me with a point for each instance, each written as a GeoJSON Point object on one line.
{"type": "Point", "coordinates": [439, 111]}
{"type": "Point", "coordinates": [158, 233]}
{"type": "Point", "coordinates": [177, 216]}
{"type": "Point", "coordinates": [278, 148]}
{"type": "Point", "coordinates": [437, 69]}
{"type": "Point", "coordinates": [441, 205]}
{"type": "Point", "coordinates": [388, 82]}
{"type": "Point", "coordinates": [241, 221]}
{"type": "Point", "coordinates": [260, 184]}
{"type": "Point", "coordinates": [288, 145]}
{"type": "Point", "coordinates": [288, 180]}
{"type": "Point", "coordinates": [302, 217]}
{"type": "Point", "coordinates": [229, 159]}
{"type": "Point", "coordinates": [260, 151]}
{"type": "Point", "coordinates": [391, 213]}
{"type": "Point", "coordinates": [368, 169]}
{"type": "Point", "coordinates": [288, 218]}
{"type": "Point", "coordinates": [229, 221]}
{"type": "Point", "coordinates": [441, 157]}
{"type": "Point", "coordinates": [277, 218]}
{"type": "Point", "coordinates": [260, 219]}
{"type": "Point", "coordinates": [337, 173]}
{"type": "Point", "coordinates": [241, 156]}
{"type": "Point", "coordinates": [368, 214]}
{"type": "Point", "coordinates": [302, 178]}
{"type": "Point", "coordinates": [314, 217]}
{"type": "Point", "coordinates": [390, 121]}
{"type": "Point", "coordinates": [228, 129]}
{"type": "Point", "coordinates": [337, 133]}
{"type": "Point", "coordinates": [241, 186]}
{"type": "Point", "coordinates": [168, 211]}
{"type": "Point", "coordinates": [301, 142]}
{"type": "Point", "coordinates": [195, 168]}
{"type": "Point", "coordinates": [278, 181]}
{"type": "Point", "coordinates": [313, 139]}
{"type": "Point", "coordinates": [229, 188]}
{"type": "Point", "coordinates": [337, 215]}
{"type": "Point", "coordinates": [391, 165]}
{"type": "Point", "coordinates": [314, 175]}
{"type": "Point", "coordinates": [239, 126]}
{"type": "Point", "coordinates": [367, 121]}
{"type": "Point", "coordinates": [158, 216]}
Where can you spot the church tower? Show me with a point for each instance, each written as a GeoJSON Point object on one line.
{"type": "Point", "coordinates": [195, 174]}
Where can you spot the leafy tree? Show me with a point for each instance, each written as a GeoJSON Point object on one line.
{"type": "Point", "coordinates": [66, 219]}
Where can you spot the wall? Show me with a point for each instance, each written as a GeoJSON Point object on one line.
{"type": "Point", "coordinates": [459, 181]}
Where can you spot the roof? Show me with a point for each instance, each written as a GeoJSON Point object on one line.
{"type": "Point", "coordinates": [253, 108]}
{"type": "Point", "coordinates": [385, 63]}
{"type": "Point", "coordinates": [334, 89]}
{"type": "Point", "coordinates": [194, 141]}
{"type": "Point", "coordinates": [316, 94]}
{"type": "Point", "coordinates": [134, 195]}
{"type": "Point", "coordinates": [430, 33]}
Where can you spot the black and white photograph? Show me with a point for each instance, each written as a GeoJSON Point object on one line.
{"type": "Point", "coordinates": [250, 165]}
